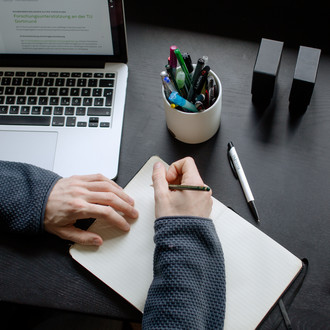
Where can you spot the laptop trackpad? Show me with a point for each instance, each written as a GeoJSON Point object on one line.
{"type": "Point", "coordinates": [37, 148]}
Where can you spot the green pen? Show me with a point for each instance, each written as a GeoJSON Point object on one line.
{"type": "Point", "coordinates": [183, 66]}
{"type": "Point", "coordinates": [188, 187]}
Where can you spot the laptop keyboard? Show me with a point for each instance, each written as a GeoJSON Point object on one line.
{"type": "Point", "coordinates": [62, 99]}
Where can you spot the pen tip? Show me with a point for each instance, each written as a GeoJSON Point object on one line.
{"type": "Point", "coordinates": [254, 210]}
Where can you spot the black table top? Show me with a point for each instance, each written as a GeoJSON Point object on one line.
{"type": "Point", "coordinates": [287, 163]}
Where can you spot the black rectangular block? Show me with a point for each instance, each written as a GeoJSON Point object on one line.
{"type": "Point", "coordinates": [304, 78]}
{"type": "Point", "coordinates": [265, 69]}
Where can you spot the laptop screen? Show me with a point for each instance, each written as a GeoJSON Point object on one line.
{"type": "Point", "coordinates": [62, 32]}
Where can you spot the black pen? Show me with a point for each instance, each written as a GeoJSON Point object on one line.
{"type": "Point", "coordinates": [240, 175]}
{"type": "Point", "coordinates": [201, 80]}
{"type": "Point", "coordinates": [211, 89]}
{"type": "Point", "coordinates": [188, 61]}
{"type": "Point", "coordinates": [199, 66]}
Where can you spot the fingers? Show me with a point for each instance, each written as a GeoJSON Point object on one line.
{"type": "Point", "coordinates": [97, 189]}
{"type": "Point", "coordinates": [159, 179]}
{"type": "Point", "coordinates": [113, 196]}
{"type": "Point", "coordinates": [63, 224]}
{"type": "Point", "coordinates": [161, 191]}
{"type": "Point", "coordinates": [79, 236]}
{"type": "Point", "coordinates": [99, 183]}
{"type": "Point", "coordinates": [81, 209]}
{"type": "Point", "coordinates": [175, 203]}
{"type": "Point", "coordinates": [113, 200]}
{"type": "Point", "coordinates": [87, 196]}
{"type": "Point", "coordinates": [93, 178]}
{"type": "Point", "coordinates": [184, 171]}
{"type": "Point", "coordinates": [109, 215]}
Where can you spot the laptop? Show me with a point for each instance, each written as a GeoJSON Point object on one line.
{"type": "Point", "coordinates": [63, 79]}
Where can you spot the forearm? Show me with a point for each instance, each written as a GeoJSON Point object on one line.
{"type": "Point", "coordinates": [188, 290]}
{"type": "Point", "coordinates": [24, 191]}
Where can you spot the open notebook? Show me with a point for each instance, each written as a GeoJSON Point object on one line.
{"type": "Point", "coordinates": [258, 270]}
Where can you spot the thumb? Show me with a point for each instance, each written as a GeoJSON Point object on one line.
{"type": "Point", "coordinates": [159, 178]}
{"type": "Point", "coordinates": [80, 236]}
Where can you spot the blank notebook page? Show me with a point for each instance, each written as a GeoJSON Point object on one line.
{"type": "Point", "coordinates": [258, 269]}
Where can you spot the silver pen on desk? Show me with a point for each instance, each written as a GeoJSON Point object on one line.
{"type": "Point", "coordinates": [240, 175]}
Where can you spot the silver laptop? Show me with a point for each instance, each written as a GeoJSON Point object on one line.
{"type": "Point", "coordinates": [63, 79]}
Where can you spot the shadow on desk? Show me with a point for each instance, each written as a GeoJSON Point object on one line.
{"type": "Point", "coordinates": [45, 275]}
{"type": "Point", "coordinates": [294, 22]}
{"type": "Point", "coordinates": [14, 316]}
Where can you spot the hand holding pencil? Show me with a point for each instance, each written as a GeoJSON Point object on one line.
{"type": "Point", "coordinates": [181, 199]}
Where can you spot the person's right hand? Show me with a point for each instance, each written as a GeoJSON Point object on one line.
{"type": "Point", "coordinates": [180, 202]}
{"type": "Point", "coordinates": [83, 197]}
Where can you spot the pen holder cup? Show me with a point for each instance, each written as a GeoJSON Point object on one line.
{"type": "Point", "coordinates": [196, 127]}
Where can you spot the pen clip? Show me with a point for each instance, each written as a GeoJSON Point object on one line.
{"type": "Point", "coordinates": [232, 165]}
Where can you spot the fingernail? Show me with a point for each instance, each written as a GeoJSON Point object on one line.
{"type": "Point", "coordinates": [97, 241]}
{"type": "Point", "coordinates": [127, 227]}
{"type": "Point", "coordinates": [157, 165]}
{"type": "Point", "coordinates": [131, 200]}
{"type": "Point", "coordinates": [135, 213]}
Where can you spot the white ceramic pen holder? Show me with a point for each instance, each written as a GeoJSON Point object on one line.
{"type": "Point", "coordinates": [196, 127]}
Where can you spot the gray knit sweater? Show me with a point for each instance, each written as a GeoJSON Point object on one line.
{"type": "Point", "coordinates": [188, 289]}
{"type": "Point", "coordinates": [24, 191]}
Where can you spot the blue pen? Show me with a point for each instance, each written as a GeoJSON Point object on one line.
{"type": "Point", "coordinates": [168, 84]}
{"type": "Point", "coordinates": [178, 100]}
{"type": "Point", "coordinates": [167, 91]}
{"type": "Point", "coordinates": [171, 73]}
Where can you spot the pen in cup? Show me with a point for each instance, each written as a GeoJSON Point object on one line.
{"type": "Point", "coordinates": [206, 59]}
{"type": "Point", "coordinates": [183, 66]}
{"type": "Point", "coordinates": [171, 72]}
{"type": "Point", "coordinates": [167, 91]}
{"type": "Point", "coordinates": [201, 80]}
{"type": "Point", "coordinates": [173, 60]}
{"type": "Point", "coordinates": [187, 60]}
{"type": "Point", "coordinates": [199, 66]}
{"type": "Point", "coordinates": [180, 81]}
{"type": "Point", "coordinates": [178, 100]}
{"type": "Point", "coordinates": [182, 73]}
{"type": "Point", "coordinates": [168, 83]}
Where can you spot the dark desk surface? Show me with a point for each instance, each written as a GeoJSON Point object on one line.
{"type": "Point", "coordinates": [286, 162]}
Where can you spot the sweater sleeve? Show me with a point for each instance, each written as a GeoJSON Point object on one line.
{"type": "Point", "coordinates": [188, 289]}
{"type": "Point", "coordinates": [24, 191]}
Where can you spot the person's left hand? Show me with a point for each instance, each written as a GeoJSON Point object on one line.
{"type": "Point", "coordinates": [83, 197]}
